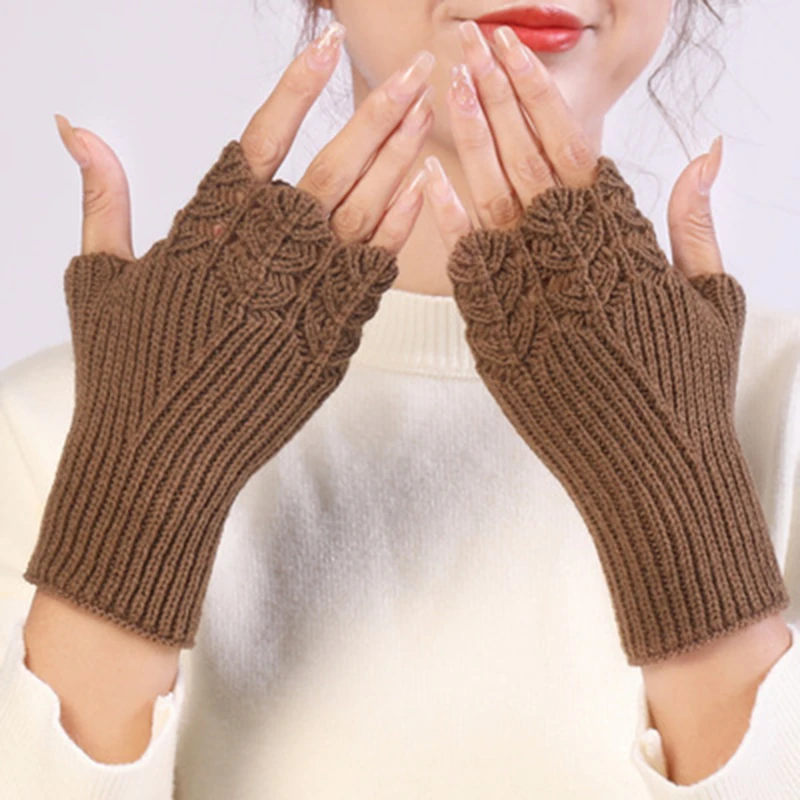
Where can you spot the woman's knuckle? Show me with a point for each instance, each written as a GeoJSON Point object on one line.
{"type": "Point", "coordinates": [262, 149]}
{"type": "Point", "coordinates": [539, 89]}
{"type": "Point", "coordinates": [501, 209]}
{"type": "Point", "coordinates": [577, 152]}
{"type": "Point", "coordinates": [498, 91]}
{"type": "Point", "coordinates": [298, 83]}
{"type": "Point", "coordinates": [95, 200]}
{"type": "Point", "coordinates": [350, 221]}
{"type": "Point", "coordinates": [391, 234]}
{"type": "Point", "coordinates": [322, 177]}
{"type": "Point", "coordinates": [532, 169]}
{"type": "Point", "coordinates": [475, 138]}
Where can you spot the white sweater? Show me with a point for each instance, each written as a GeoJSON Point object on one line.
{"type": "Point", "coordinates": [405, 602]}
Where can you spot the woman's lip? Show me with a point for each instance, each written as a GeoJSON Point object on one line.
{"type": "Point", "coordinates": [550, 40]}
{"type": "Point", "coordinates": [534, 17]}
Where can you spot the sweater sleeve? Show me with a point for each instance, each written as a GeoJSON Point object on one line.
{"type": "Point", "coordinates": [38, 759]}
{"type": "Point", "coordinates": [767, 761]}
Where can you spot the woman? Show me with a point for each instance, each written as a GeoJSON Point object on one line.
{"type": "Point", "coordinates": [411, 596]}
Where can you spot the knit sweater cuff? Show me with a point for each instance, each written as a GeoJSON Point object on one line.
{"type": "Point", "coordinates": [30, 713]}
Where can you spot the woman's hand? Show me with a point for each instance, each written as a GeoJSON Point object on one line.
{"type": "Point", "coordinates": [197, 362]}
{"type": "Point", "coordinates": [507, 161]}
{"type": "Point", "coordinates": [618, 370]}
{"type": "Point", "coordinates": [355, 177]}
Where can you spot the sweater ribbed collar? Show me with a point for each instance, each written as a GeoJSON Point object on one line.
{"type": "Point", "coordinates": [419, 333]}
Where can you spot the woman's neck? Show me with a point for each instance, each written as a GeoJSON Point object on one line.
{"type": "Point", "coordinates": [422, 262]}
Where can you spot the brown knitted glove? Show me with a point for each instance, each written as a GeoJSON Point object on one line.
{"type": "Point", "coordinates": [193, 366]}
{"type": "Point", "coordinates": [620, 373]}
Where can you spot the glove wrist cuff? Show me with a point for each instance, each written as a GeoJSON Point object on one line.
{"type": "Point", "coordinates": [688, 559]}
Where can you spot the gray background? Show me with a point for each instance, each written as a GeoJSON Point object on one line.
{"type": "Point", "coordinates": [168, 84]}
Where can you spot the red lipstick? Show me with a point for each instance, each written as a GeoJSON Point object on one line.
{"type": "Point", "coordinates": [542, 28]}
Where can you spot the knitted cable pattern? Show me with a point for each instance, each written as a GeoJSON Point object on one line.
{"type": "Point", "coordinates": [194, 365]}
{"type": "Point", "coordinates": [620, 374]}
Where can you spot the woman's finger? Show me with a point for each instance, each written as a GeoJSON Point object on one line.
{"type": "Point", "coordinates": [271, 131]}
{"type": "Point", "coordinates": [336, 168]}
{"type": "Point", "coordinates": [106, 196]}
{"type": "Point", "coordinates": [361, 211]}
{"type": "Point", "coordinates": [495, 201]}
{"type": "Point", "coordinates": [395, 227]}
{"type": "Point", "coordinates": [517, 144]}
{"type": "Point", "coordinates": [450, 216]}
{"type": "Point", "coordinates": [566, 144]}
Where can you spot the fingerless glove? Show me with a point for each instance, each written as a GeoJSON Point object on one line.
{"type": "Point", "coordinates": [620, 374]}
{"type": "Point", "coordinates": [194, 365]}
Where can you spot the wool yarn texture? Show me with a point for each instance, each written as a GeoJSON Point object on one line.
{"type": "Point", "coordinates": [194, 365]}
{"type": "Point", "coordinates": [620, 373]}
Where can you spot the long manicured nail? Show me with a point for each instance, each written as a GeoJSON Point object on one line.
{"type": "Point", "coordinates": [73, 142]}
{"type": "Point", "coordinates": [410, 197]}
{"type": "Point", "coordinates": [324, 48]}
{"type": "Point", "coordinates": [418, 114]}
{"type": "Point", "coordinates": [438, 185]}
{"type": "Point", "coordinates": [483, 59]}
{"type": "Point", "coordinates": [404, 86]}
{"type": "Point", "coordinates": [514, 52]}
{"type": "Point", "coordinates": [463, 89]}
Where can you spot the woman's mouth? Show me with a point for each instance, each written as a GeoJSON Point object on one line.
{"type": "Point", "coordinates": [542, 28]}
{"type": "Point", "coordinates": [551, 40]}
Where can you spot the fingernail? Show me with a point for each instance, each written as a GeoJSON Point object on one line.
{"type": "Point", "coordinates": [514, 52]}
{"type": "Point", "coordinates": [417, 115]}
{"type": "Point", "coordinates": [439, 185]}
{"type": "Point", "coordinates": [75, 144]}
{"type": "Point", "coordinates": [463, 89]}
{"type": "Point", "coordinates": [472, 37]}
{"type": "Point", "coordinates": [407, 84]}
{"type": "Point", "coordinates": [710, 168]}
{"type": "Point", "coordinates": [324, 48]}
{"type": "Point", "coordinates": [410, 197]}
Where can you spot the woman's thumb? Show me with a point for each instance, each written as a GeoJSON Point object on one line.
{"type": "Point", "coordinates": [695, 249]}
{"type": "Point", "coordinates": [106, 197]}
